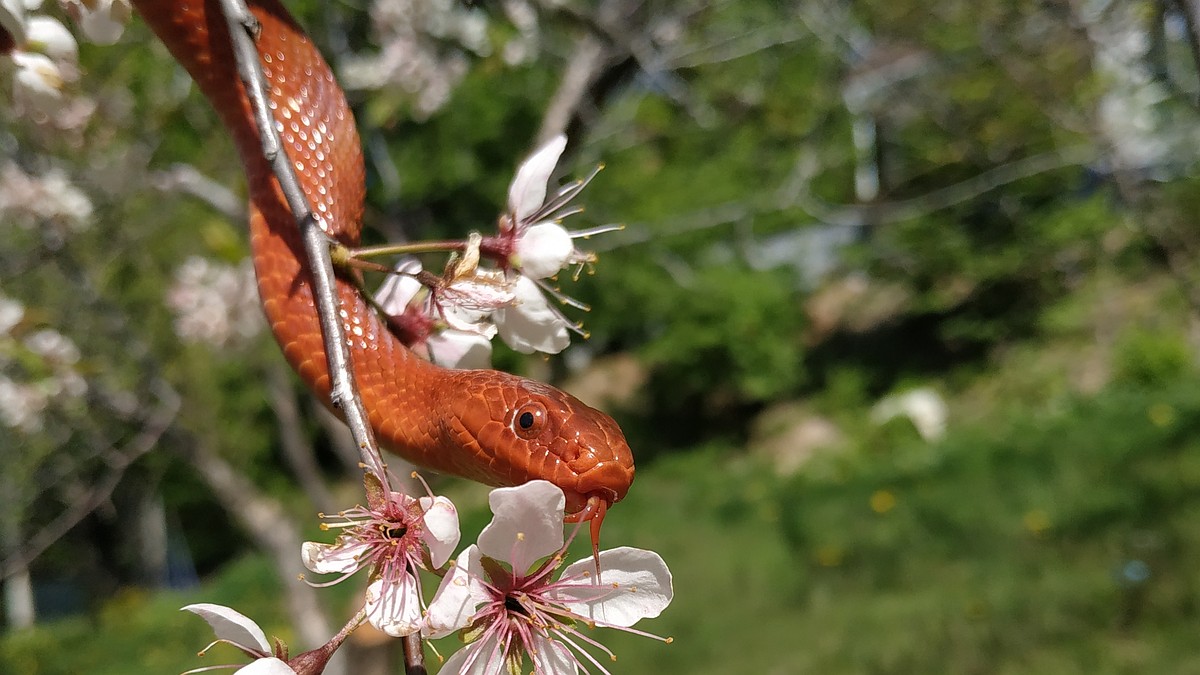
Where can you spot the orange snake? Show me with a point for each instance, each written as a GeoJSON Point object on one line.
{"type": "Point", "coordinates": [470, 423]}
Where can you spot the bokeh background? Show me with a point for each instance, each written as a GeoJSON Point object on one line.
{"type": "Point", "coordinates": [903, 328]}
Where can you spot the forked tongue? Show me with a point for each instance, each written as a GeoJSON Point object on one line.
{"type": "Point", "coordinates": [599, 509]}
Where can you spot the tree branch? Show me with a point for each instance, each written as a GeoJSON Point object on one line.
{"type": "Point", "coordinates": [118, 461]}
{"type": "Point", "coordinates": [343, 393]}
{"type": "Point", "coordinates": [296, 450]}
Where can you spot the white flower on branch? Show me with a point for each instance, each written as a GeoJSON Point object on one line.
{"type": "Point", "coordinates": [45, 57]}
{"type": "Point", "coordinates": [392, 538]}
{"type": "Point", "coordinates": [48, 36]}
{"type": "Point", "coordinates": [450, 319]}
{"type": "Point", "coordinates": [424, 50]}
{"type": "Point", "coordinates": [46, 378]}
{"type": "Point", "coordinates": [540, 245]}
{"type": "Point", "coordinates": [22, 406]}
{"type": "Point", "coordinates": [11, 313]}
{"type": "Point", "coordinates": [502, 591]}
{"type": "Point", "coordinates": [531, 324]}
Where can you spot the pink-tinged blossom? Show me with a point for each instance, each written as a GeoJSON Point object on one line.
{"type": "Point", "coordinates": [503, 591]}
{"type": "Point", "coordinates": [392, 539]}
{"type": "Point", "coordinates": [450, 335]}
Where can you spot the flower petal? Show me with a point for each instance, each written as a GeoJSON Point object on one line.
{"type": "Point", "coordinates": [527, 525]}
{"type": "Point", "coordinates": [268, 666]}
{"type": "Point", "coordinates": [478, 658]}
{"type": "Point", "coordinates": [552, 656]}
{"type": "Point", "coordinates": [460, 349]}
{"type": "Point", "coordinates": [343, 557]}
{"type": "Point", "coordinates": [544, 249]}
{"type": "Point", "coordinates": [531, 325]}
{"type": "Point", "coordinates": [49, 37]}
{"type": "Point", "coordinates": [398, 289]}
{"type": "Point", "coordinates": [527, 192]}
{"type": "Point", "coordinates": [440, 533]}
{"type": "Point", "coordinates": [394, 606]}
{"type": "Point", "coordinates": [458, 597]}
{"type": "Point", "coordinates": [230, 624]}
{"type": "Point", "coordinates": [635, 584]}
{"type": "Point", "coordinates": [102, 21]}
{"type": "Point", "coordinates": [38, 82]}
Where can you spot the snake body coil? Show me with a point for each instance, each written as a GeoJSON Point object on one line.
{"type": "Point", "coordinates": [466, 423]}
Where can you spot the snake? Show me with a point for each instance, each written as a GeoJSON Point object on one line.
{"type": "Point", "coordinates": [485, 425]}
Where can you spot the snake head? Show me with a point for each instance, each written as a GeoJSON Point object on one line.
{"type": "Point", "coordinates": [521, 430]}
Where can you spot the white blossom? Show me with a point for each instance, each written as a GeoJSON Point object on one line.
{"type": "Point", "coordinates": [393, 540]}
{"type": "Point", "coordinates": [48, 36]}
{"type": "Point", "coordinates": [38, 82]}
{"type": "Point", "coordinates": [465, 340]}
{"type": "Point", "coordinates": [924, 407]}
{"type": "Point", "coordinates": [513, 607]}
{"type": "Point", "coordinates": [531, 324]}
{"type": "Point", "coordinates": [11, 313]}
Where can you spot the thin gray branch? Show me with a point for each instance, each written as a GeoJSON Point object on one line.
{"type": "Point", "coordinates": [187, 179]}
{"type": "Point", "coordinates": [297, 451]}
{"type": "Point", "coordinates": [794, 193]}
{"type": "Point", "coordinates": [583, 67]}
{"type": "Point", "coordinates": [273, 531]}
{"type": "Point", "coordinates": [344, 394]}
{"type": "Point", "coordinates": [98, 493]}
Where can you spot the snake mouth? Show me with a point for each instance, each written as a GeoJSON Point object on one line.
{"type": "Point", "coordinates": [581, 508]}
{"type": "Point", "coordinates": [595, 507]}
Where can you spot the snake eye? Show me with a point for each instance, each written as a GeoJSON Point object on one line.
{"type": "Point", "coordinates": [529, 420]}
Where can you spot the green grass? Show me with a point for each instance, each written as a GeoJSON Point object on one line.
{"type": "Point", "coordinates": [999, 550]}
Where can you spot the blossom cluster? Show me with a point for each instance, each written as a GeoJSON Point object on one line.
{"type": "Point", "coordinates": [38, 370]}
{"type": "Point", "coordinates": [423, 50]}
{"type": "Point", "coordinates": [215, 303]}
{"type": "Point", "coordinates": [44, 54]}
{"type": "Point", "coordinates": [508, 596]}
{"type": "Point", "coordinates": [49, 202]}
{"type": "Point", "coordinates": [425, 47]}
{"type": "Point", "coordinates": [452, 319]}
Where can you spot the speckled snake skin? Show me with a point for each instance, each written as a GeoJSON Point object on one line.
{"type": "Point", "coordinates": [466, 423]}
